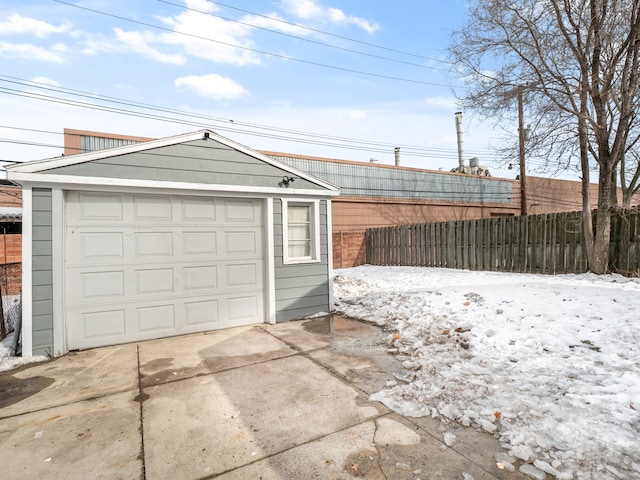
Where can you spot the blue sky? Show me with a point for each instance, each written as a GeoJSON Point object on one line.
{"type": "Point", "coordinates": [284, 75]}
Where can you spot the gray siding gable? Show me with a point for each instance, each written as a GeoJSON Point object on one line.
{"type": "Point", "coordinates": [197, 161]}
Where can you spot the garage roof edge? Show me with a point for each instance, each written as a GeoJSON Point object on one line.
{"type": "Point", "coordinates": [17, 171]}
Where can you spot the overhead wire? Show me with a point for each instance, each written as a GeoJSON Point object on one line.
{"type": "Point", "coordinates": [263, 52]}
{"type": "Point", "coordinates": [197, 116]}
{"type": "Point", "coordinates": [224, 125]}
{"type": "Point", "coordinates": [308, 40]}
{"type": "Point", "coordinates": [341, 37]}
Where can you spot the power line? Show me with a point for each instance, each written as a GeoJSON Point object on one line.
{"type": "Point", "coordinates": [316, 42]}
{"type": "Point", "coordinates": [322, 32]}
{"type": "Point", "coordinates": [263, 52]}
{"type": "Point", "coordinates": [203, 121]}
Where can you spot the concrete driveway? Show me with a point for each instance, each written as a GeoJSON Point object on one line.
{"type": "Point", "coordinates": [286, 401]}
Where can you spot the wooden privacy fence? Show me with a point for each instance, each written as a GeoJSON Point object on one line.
{"type": "Point", "coordinates": [550, 243]}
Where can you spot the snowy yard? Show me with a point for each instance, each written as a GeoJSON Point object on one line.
{"type": "Point", "coordinates": [549, 364]}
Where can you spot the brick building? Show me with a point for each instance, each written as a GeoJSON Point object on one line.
{"type": "Point", "coordinates": [376, 195]}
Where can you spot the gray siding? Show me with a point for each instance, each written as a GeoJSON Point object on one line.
{"type": "Point", "coordinates": [42, 302]}
{"type": "Point", "coordinates": [370, 181]}
{"type": "Point", "coordinates": [301, 289]}
{"type": "Point", "coordinates": [199, 161]}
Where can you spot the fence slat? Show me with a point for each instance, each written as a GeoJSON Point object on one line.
{"type": "Point", "coordinates": [549, 243]}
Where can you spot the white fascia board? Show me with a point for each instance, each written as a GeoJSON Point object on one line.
{"type": "Point", "coordinates": [72, 182]}
{"type": "Point", "coordinates": [27, 272]}
{"type": "Point", "coordinates": [330, 253]}
{"type": "Point", "coordinates": [57, 162]}
{"type": "Point", "coordinates": [270, 279]}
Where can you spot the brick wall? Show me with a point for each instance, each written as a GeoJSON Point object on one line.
{"type": "Point", "coordinates": [10, 248]}
{"type": "Point", "coordinates": [349, 249]}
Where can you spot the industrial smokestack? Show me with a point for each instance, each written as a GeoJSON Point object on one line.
{"type": "Point", "coordinates": [460, 150]}
{"type": "Point", "coordinates": [396, 151]}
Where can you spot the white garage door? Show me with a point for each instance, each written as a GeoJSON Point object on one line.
{"type": "Point", "coordinates": [149, 266]}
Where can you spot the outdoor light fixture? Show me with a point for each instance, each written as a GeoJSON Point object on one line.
{"type": "Point", "coordinates": [205, 136]}
{"type": "Point", "coordinates": [286, 181]}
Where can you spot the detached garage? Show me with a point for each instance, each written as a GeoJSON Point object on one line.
{"type": "Point", "coordinates": [167, 237]}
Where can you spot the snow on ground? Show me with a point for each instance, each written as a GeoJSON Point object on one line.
{"type": "Point", "coordinates": [549, 364]}
{"type": "Point", "coordinates": [7, 360]}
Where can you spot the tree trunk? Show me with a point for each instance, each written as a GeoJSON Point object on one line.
{"type": "Point", "coordinates": [602, 236]}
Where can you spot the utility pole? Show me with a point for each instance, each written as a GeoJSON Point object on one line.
{"type": "Point", "coordinates": [521, 140]}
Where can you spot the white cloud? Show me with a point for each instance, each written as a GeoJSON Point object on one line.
{"type": "Point", "coordinates": [209, 37]}
{"type": "Point", "coordinates": [338, 16]}
{"type": "Point", "coordinates": [194, 34]}
{"type": "Point", "coordinates": [444, 103]}
{"type": "Point", "coordinates": [15, 24]}
{"type": "Point", "coordinates": [139, 42]}
{"type": "Point", "coordinates": [305, 9]}
{"type": "Point", "coordinates": [213, 86]}
{"type": "Point", "coordinates": [31, 52]}
{"type": "Point", "coordinates": [352, 113]}
{"type": "Point", "coordinates": [45, 80]}
{"type": "Point", "coordinates": [271, 21]}
{"type": "Point", "coordinates": [309, 10]}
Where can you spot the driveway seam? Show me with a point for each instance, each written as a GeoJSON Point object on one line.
{"type": "Point", "coordinates": [339, 376]}
{"type": "Point", "coordinates": [333, 372]}
{"type": "Point", "coordinates": [204, 374]}
{"type": "Point", "coordinates": [60, 405]}
{"type": "Point", "coordinates": [140, 399]}
{"type": "Point", "coordinates": [375, 431]}
{"type": "Point", "coordinates": [315, 439]}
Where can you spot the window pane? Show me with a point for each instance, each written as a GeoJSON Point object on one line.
{"type": "Point", "coordinates": [299, 230]}
{"type": "Point", "coordinates": [299, 249]}
{"type": "Point", "coordinates": [299, 213]}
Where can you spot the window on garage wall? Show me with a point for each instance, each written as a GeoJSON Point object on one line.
{"type": "Point", "coordinates": [301, 231]}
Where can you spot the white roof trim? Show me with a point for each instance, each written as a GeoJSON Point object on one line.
{"type": "Point", "coordinates": [36, 166]}
{"type": "Point", "coordinates": [78, 182]}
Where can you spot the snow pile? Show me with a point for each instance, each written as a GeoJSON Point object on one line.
{"type": "Point", "coordinates": [8, 362]}
{"type": "Point", "coordinates": [548, 364]}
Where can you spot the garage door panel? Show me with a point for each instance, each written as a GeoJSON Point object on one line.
{"type": "Point", "coordinates": [101, 245]}
{"type": "Point", "coordinates": [200, 243]}
{"type": "Point", "coordinates": [238, 210]}
{"type": "Point", "coordinates": [243, 308]}
{"type": "Point", "coordinates": [141, 276]}
{"type": "Point", "coordinates": [202, 313]}
{"type": "Point", "coordinates": [200, 277]}
{"type": "Point", "coordinates": [199, 209]}
{"type": "Point", "coordinates": [155, 280]}
{"type": "Point", "coordinates": [242, 243]}
{"type": "Point", "coordinates": [152, 208]}
{"type": "Point", "coordinates": [100, 285]}
{"type": "Point", "coordinates": [103, 206]}
{"type": "Point", "coordinates": [156, 318]}
{"type": "Point", "coordinates": [105, 325]}
{"type": "Point", "coordinates": [244, 275]}
{"type": "Point", "coordinates": [153, 244]}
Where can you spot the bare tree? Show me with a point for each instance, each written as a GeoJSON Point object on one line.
{"type": "Point", "coordinates": [579, 64]}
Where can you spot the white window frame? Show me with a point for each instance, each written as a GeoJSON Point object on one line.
{"type": "Point", "coordinates": [314, 210]}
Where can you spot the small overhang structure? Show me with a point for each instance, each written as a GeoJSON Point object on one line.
{"type": "Point", "coordinates": [10, 214]}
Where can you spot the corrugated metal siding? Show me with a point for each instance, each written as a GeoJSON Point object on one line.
{"type": "Point", "coordinates": [91, 143]}
{"type": "Point", "coordinates": [370, 181]}
{"type": "Point", "coordinates": [301, 289]}
{"type": "Point", "coordinates": [42, 303]}
{"type": "Point", "coordinates": [200, 161]}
